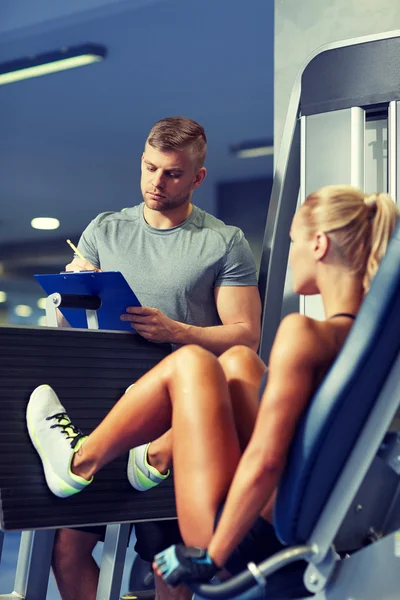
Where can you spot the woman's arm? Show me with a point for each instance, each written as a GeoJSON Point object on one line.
{"type": "Point", "coordinates": [295, 356]}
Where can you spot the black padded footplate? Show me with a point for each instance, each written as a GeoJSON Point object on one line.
{"type": "Point", "coordinates": [89, 370]}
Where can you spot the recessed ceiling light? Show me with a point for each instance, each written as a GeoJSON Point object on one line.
{"type": "Point", "coordinates": [255, 152]}
{"type": "Point", "coordinates": [253, 149]}
{"type": "Point", "coordinates": [45, 223]}
{"type": "Point", "coordinates": [23, 310]}
{"type": "Point", "coordinates": [42, 303]}
{"type": "Point", "coordinates": [3, 296]}
{"type": "Point", "coordinates": [50, 62]}
{"type": "Point", "coordinates": [42, 321]}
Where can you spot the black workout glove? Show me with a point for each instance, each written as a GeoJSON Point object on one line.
{"type": "Point", "coordinates": [179, 564]}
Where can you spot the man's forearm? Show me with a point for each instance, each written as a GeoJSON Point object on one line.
{"type": "Point", "coordinates": [219, 338]}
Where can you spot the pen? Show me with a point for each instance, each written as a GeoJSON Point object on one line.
{"type": "Point", "coordinates": [75, 249]}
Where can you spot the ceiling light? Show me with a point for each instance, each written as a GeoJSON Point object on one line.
{"type": "Point", "coordinates": [3, 297]}
{"type": "Point", "coordinates": [42, 303]}
{"type": "Point", "coordinates": [42, 321]}
{"type": "Point", "coordinates": [23, 310]}
{"type": "Point", "coordinates": [45, 223]}
{"type": "Point", "coordinates": [255, 152]}
{"type": "Point", "coordinates": [50, 62]}
{"type": "Point", "coordinates": [253, 149]}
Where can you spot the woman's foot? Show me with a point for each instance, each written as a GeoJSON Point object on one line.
{"type": "Point", "coordinates": [56, 440]}
{"type": "Point", "coordinates": [141, 474]}
{"type": "Point", "coordinates": [144, 473]}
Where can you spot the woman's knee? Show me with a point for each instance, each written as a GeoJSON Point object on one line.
{"type": "Point", "coordinates": [192, 356]}
{"type": "Point", "coordinates": [236, 359]}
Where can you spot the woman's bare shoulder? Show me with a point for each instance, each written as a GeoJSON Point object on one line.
{"type": "Point", "coordinates": [295, 323]}
{"type": "Point", "coordinates": [301, 339]}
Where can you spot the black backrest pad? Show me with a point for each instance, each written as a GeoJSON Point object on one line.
{"type": "Point", "coordinates": [89, 370]}
{"type": "Point", "coordinates": [341, 405]}
{"type": "Point", "coordinates": [329, 82]}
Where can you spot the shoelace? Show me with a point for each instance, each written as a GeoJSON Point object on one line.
{"type": "Point", "coordinates": [71, 432]}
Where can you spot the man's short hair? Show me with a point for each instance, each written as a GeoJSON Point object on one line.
{"type": "Point", "coordinates": [178, 133]}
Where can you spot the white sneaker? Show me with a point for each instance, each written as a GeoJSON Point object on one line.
{"type": "Point", "coordinates": [141, 475]}
{"type": "Point", "coordinates": [56, 440]}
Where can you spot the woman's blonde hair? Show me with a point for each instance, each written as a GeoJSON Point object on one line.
{"type": "Point", "coordinates": [359, 225]}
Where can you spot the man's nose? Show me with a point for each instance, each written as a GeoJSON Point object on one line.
{"type": "Point", "coordinates": [158, 180]}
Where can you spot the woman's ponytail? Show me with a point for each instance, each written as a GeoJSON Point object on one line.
{"type": "Point", "coordinates": [383, 213]}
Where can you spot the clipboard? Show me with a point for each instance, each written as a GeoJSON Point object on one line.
{"type": "Point", "coordinates": [110, 286]}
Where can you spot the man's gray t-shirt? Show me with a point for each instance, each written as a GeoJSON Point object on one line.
{"type": "Point", "coordinates": [174, 270]}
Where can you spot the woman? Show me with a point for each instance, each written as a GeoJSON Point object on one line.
{"type": "Point", "coordinates": [339, 236]}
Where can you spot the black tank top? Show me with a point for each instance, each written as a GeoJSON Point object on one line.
{"type": "Point", "coordinates": [343, 315]}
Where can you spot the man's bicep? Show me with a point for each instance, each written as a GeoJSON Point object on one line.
{"type": "Point", "coordinates": [239, 305]}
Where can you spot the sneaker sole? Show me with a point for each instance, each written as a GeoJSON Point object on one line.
{"type": "Point", "coordinates": [57, 485]}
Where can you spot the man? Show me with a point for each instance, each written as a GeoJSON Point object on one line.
{"type": "Point", "coordinates": [196, 280]}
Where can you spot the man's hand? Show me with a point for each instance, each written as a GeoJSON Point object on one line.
{"type": "Point", "coordinates": [152, 324]}
{"type": "Point", "coordinates": [81, 265]}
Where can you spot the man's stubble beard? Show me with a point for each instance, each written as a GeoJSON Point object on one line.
{"type": "Point", "coordinates": [169, 204]}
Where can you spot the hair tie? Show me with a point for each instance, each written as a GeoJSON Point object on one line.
{"type": "Point", "coordinates": [371, 205]}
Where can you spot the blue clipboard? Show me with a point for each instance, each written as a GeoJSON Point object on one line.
{"type": "Point", "coordinates": [110, 286]}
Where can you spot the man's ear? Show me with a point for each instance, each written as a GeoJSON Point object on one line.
{"type": "Point", "coordinates": [200, 176]}
{"type": "Point", "coordinates": [321, 244]}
